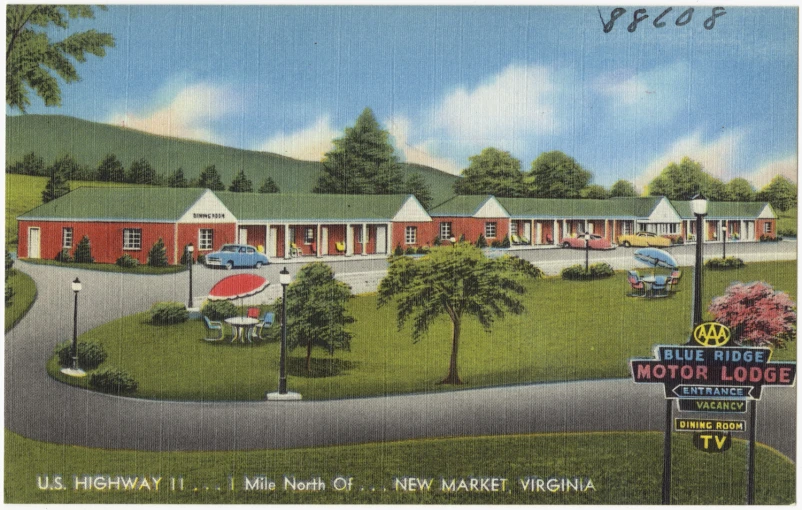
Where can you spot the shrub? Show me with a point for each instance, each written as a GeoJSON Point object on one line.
{"type": "Point", "coordinates": [601, 270]}
{"type": "Point", "coordinates": [410, 250]}
{"type": "Point", "coordinates": [9, 262]}
{"type": "Point", "coordinates": [462, 238]}
{"type": "Point", "coordinates": [675, 239]}
{"type": "Point", "coordinates": [398, 250]}
{"type": "Point", "coordinates": [437, 241]}
{"type": "Point", "coordinates": [90, 354]}
{"type": "Point", "coordinates": [219, 310]}
{"type": "Point", "coordinates": [505, 243]}
{"type": "Point", "coordinates": [595, 272]}
{"type": "Point", "coordinates": [83, 252]}
{"type": "Point", "coordinates": [787, 232]}
{"type": "Point", "coordinates": [481, 242]}
{"type": "Point", "coordinates": [127, 261]}
{"type": "Point", "coordinates": [422, 250]}
{"type": "Point", "coordinates": [64, 256]}
{"type": "Point", "coordinates": [9, 294]}
{"type": "Point", "coordinates": [201, 259]}
{"type": "Point", "coordinates": [768, 239]}
{"type": "Point", "coordinates": [168, 312]}
{"type": "Point", "coordinates": [113, 380]}
{"type": "Point", "coordinates": [157, 256]}
{"type": "Point", "coordinates": [495, 244]}
{"type": "Point", "coordinates": [185, 257]}
{"type": "Point", "coordinates": [728, 263]}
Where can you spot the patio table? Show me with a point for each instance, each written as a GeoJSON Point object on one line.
{"type": "Point", "coordinates": [242, 327]}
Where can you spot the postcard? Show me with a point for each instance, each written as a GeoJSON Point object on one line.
{"type": "Point", "coordinates": [458, 254]}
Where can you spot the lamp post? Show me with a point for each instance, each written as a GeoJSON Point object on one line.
{"type": "Point", "coordinates": [586, 237]}
{"type": "Point", "coordinates": [699, 209]}
{"type": "Point", "coordinates": [724, 246]}
{"type": "Point", "coordinates": [453, 241]}
{"type": "Point", "coordinates": [74, 370]}
{"type": "Point", "coordinates": [282, 394]}
{"type": "Point", "coordinates": [190, 262]}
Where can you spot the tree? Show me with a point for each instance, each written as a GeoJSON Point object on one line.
{"type": "Point", "coordinates": [417, 185]}
{"type": "Point", "coordinates": [111, 170]}
{"type": "Point", "coordinates": [141, 172]}
{"type": "Point", "coordinates": [756, 314]}
{"type": "Point", "coordinates": [268, 186]}
{"type": "Point", "coordinates": [83, 251]}
{"type": "Point", "coordinates": [454, 281]}
{"type": "Point", "coordinates": [316, 315]}
{"type": "Point", "coordinates": [623, 188]}
{"type": "Point", "coordinates": [739, 190]}
{"type": "Point", "coordinates": [594, 191]}
{"type": "Point", "coordinates": [210, 178]}
{"type": "Point", "coordinates": [241, 184]}
{"type": "Point", "coordinates": [31, 164]}
{"type": "Point", "coordinates": [557, 175]}
{"type": "Point", "coordinates": [683, 181]}
{"type": "Point", "coordinates": [362, 161]}
{"type": "Point", "coordinates": [157, 256]}
{"type": "Point", "coordinates": [177, 179]}
{"type": "Point", "coordinates": [58, 185]}
{"type": "Point", "coordinates": [781, 193]}
{"type": "Point", "coordinates": [31, 57]}
{"type": "Point", "coordinates": [493, 172]}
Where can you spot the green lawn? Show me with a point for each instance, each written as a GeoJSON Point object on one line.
{"type": "Point", "coordinates": [111, 268]}
{"type": "Point", "coordinates": [787, 220]}
{"type": "Point", "coordinates": [625, 468]}
{"type": "Point", "coordinates": [570, 331]}
{"type": "Point", "coordinates": [24, 296]}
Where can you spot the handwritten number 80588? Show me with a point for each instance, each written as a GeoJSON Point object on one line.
{"type": "Point", "coordinates": [640, 15]}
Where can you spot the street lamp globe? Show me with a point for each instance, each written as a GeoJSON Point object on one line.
{"type": "Point", "coordinates": [453, 240]}
{"type": "Point", "coordinates": [699, 205]}
{"type": "Point", "coordinates": [284, 277]}
{"type": "Point", "coordinates": [76, 285]}
{"type": "Point", "coordinates": [190, 248]}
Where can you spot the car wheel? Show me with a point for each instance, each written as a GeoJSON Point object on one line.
{"type": "Point", "coordinates": [626, 244]}
{"type": "Point", "coordinates": [566, 245]}
{"type": "Point", "coordinates": [229, 265]}
{"type": "Point", "coordinates": [258, 265]}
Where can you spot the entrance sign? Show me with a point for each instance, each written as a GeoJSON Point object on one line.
{"type": "Point", "coordinates": [712, 405]}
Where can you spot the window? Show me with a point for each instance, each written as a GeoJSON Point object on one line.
{"type": "Point", "coordinates": [445, 230]}
{"type": "Point", "coordinates": [205, 239]}
{"type": "Point", "coordinates": [309, 236]}
{"type": "Point", "coordinates": [66, 237]}
{"type": "Point", "coordinates": [490, 230]}
{"type": "Point", "coordinates": [411, 235]}
{"type": "Point", "coordinates": [767, 228]}
{"type": "Point", "coordinates": [132, 239]}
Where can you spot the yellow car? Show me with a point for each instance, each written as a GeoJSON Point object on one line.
{"type": "Point", "coordinates": [643, 239]}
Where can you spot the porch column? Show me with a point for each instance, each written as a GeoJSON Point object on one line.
{"type": "Point", "coordinates": [286, 241]}
{"type": "Point", "coordinates": [605, 229]}
{"type": "Point", "coordinates": [349, 240]}
{"type": "Point", "coordinates": [564, 232]}
{"type": "Point", "coordinates": [389, 239]}
{"type": "Point", "coordinates": [555, 241]}
{"type": "Point", "coordinates": [532, 233]}
{"type": "Point", "coordinates": [586, 225]}
{"type": "Point", "coordinates": [612, 238]}
{"type": "Point", "coordinates": [317, 242]}
{"type": "Point", "coordinates": [741, 231]}
{"type": "Point", "coordinates": [364, 239]}
{"type": "Point", "coordinates": [267, 237]}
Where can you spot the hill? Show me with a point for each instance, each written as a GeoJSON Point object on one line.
{"type": "Point", "coordinates": [51, 136]}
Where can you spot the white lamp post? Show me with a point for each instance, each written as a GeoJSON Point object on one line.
{"type": "Point", "coordinates": [74, 370]}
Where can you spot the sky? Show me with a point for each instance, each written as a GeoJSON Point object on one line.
{"type": "Point", "coordinates": [448, 81]}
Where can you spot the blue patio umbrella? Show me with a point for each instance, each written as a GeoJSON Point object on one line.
{"type": "Point", "coordinates": [654, 257]}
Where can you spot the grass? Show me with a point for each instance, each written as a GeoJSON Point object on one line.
{"type": "Point", "coordinates": [111, 268]}
{"type": "Point", "coordinates": [571, 330]}
{"type": "Point", "coordinates": [787, 220]}
{"type": "Point", "coordinates": [625, 468]}
{"type": "Point", "coordinates": [24, 296]}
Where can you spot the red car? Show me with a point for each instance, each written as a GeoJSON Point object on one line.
{"type": "Point", "coordinates": [596, 242]}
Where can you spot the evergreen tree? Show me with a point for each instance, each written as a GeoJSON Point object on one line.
{"type": "Point", "coordinates": [31, 164]}
{"type": "Point", "coordinates": [177, 179]}
{"type": "Point", "coordinates": [141, 172]}
{"type": "Point", "coordinates": [111, 170]}
{"type": "Point", "coordinates": [241, 183]}
{"type": "Point", "coordinates": [623, 188]}
{"type": "Point", "coordinates": [362, 161]}
{"type": "Point", "coordinates": [157, 256]}
{"type": "Point", "coordinates": [83, 251]}
{"type": "Point", "coordinates": [57, 185]}
{"type": "Point", "coordinates": [268, 186]}
{"type": "Point", "coordinates": [210, 178]}
{"type": "Point", "coordinates": [556, 175]}
{"type": "Point", "coordinates": [493, 172]}
{"type": "Point", "coordinates": [417, 185]}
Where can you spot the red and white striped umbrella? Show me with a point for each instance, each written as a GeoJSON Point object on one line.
{"type": "Point", "coordinates": [238, 286]}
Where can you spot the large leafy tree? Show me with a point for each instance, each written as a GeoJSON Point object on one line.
{"type": "Point", "coordinates": [594, 191]}
{"type": "Point", "coordinates": [32, 58]}
{"type": "Point", "coordinates": [781, 193]}
{"type": "Point", "coordinates": [241, 183]}
{"type": "Point", "coordinates": [556, 175]}
{"type": "Point", "coordinates": [417, 185]}
{"type": "Point", "coordinates": [684, 180]}
{"type": "Point", "coordinates": [210, 178]}
{"type": "Point", "coordinates": [363, 161]}
{"type": "Point", "coordinates": [623, 188]}
{"type": "Point", "coordinates": [756, 313]}
{"type": "Point", "coordinates": [455, 281]}
{"type": "Point", "coordinates": [316, 315]}
{"type": "Point", "coordinates": [492, 171]}
{"type": "Point", "coordinates": [739, 190]}
{"type": "Point", "coordinates": [111, 169]}
{"type": "Point", "coordinates": [142, 172]}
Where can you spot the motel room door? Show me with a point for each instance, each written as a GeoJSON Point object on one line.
{"type": "Point", "coordinates": [34, 243]}
{"type": "Point", "coordinates": [324, 240]}
{"type": "Point", "coordinates": [243, 235]}
{"type": "Point", "coordinates": [381, 239]}
{"type": "Point", "coordinates": [272, 243]}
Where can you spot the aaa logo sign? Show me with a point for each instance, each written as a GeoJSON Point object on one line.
{"type": "Point", "coordinates": [711, 334]}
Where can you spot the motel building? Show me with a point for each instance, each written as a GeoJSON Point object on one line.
{"type": "Point", "coordinates": [129, 220]}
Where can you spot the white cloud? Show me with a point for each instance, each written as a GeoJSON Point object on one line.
{"type": "Point", "coordinates": [651, 97]}
{"type": "Point", "coordinates": [188, 113]}
{"type": "Point", "coordinates": [787, 167]}
{"type": "Point", "coordinates": [310, 143]}
{"type": "Point", "coordinates": [421, 153]}
{"type": "Point", "coordinates": [507, 107]}
{"type": "Point", "coordinates": [717, 156]}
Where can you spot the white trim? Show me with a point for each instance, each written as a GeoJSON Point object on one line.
{"type": "Point", "coordinates": [491, 208]}
{"type": "Point", "coordinates": [411, 211]}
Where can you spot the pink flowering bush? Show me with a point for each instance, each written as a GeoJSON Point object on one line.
{"type": "Point", "coordinates": [756, 314]}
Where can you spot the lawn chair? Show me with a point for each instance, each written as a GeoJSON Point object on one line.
{"type": "Point", "coordinates": [638, 287]}
{"type": "Point", "coordinates": [659, 287]}
{"type": "Point", "coordinates": [253, 313]}
{"type": "Point", "coordinates": [673, 280]}
{"type": "Point", "coordinates": [294, 250]}
{"type": "Point", "coordinates": [524, 240]}
{"type": "Point", "coordinates": [340, 247]}
{"type": "Point", "coordinates": [211, 328]}
{"type": "Point", "coordinates": [515, 239]}
{"type": "Point", "coordinates": [267, 322]}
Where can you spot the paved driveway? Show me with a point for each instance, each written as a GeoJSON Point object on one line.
{"type": "Point", "coordinates": [38, 407]}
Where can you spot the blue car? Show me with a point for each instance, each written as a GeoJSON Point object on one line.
{"type": "Point", "coordinates": [236, 255]}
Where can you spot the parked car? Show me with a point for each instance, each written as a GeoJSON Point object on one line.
{"type": "Point", "coordinates": [643, 239]}
{"type": "Point", "coordinates": [236, 255]}
{"type": "Point", "coordinates": [596, 242]}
